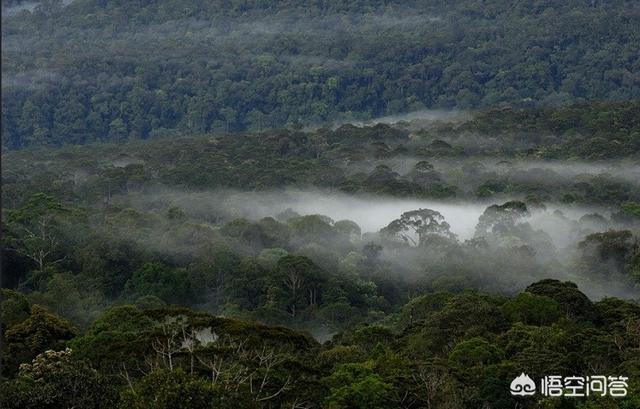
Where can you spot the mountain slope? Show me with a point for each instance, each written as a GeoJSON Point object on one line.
{"type": "Point", "coordinates": [97, 71]}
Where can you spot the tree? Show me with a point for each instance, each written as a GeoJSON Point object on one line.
{"type": "Point", "coordinates": [476, 351]}
{"type": "Point", "coordinates": [572, 302]}
{"type": "Point", "coordinates": [318, 144]}
{"type": "Point", "coordinates": [312, 229]}
{"type": "Point", "coordinates": [602, 254]}
{"type": "Point", "coordinates": [357, 386]}
{"type": "Point", "coordinates": [168, 284]}
{"type": "Point", "coordinates": [57, 380]}
{"type": "Point", "coordinates": [348, 228]}
{"type": "Point", "coordinates": [70, 296]}
{"type": "Point", "coordinates": [115, 341]}
{"type": "Point", "coordinates": [247, 287]}
{"type": "Point", "coordinates": [435, 385]}
{"type": "Point", "coordinates": [537, 349]}
{"type": "Point", "coordinates": [39, 332]}
{"type": "Point", "coordinates": [502, 218]}
{"type": "Point", "coordinates": [37, 229]}
{"type": "Point", "coordinates": [463, 316]}
{"type": "Point", "coordinates": [424, 174]}
{"type": "Point", "coordinates": [532, 309]}
{"type": "Point", "coordinates": [166, 389]}
{"type": "Point", "coordinates": [14, 308]}
{"type": "Point", "coordinates": [301, 281]}
{"type": "Point", "coordinates": [631, 208]}
{"type": "Point", "coordinates": [118, 130]}
{"type": "Point", "coordinates": [418, 227]}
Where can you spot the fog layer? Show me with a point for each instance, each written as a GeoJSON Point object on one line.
{"type": "Point", "coordinates": [369, 212]}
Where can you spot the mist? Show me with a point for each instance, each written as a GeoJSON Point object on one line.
{"type": "Point", "coordinates": [246, 35]}
{"type": "Point", "coordinates": [371, 213]}
{"type": "Point", "coordinates": [418, 118]}
{"type": "Point", "coordinates": [30, 79]}
{"type": "Point", "coordinates": [551, 232]}
{"type": "Point", "coordinates": [26, 6]}
{"type": "Point", "coordinates": [540, 172]}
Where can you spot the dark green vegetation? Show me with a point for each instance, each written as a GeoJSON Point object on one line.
{"type": "Point", "coordinates": [499, 152]}
{"type": "Point", "coordinates": [413, 315]}
{"type": "Point", "coordinates": [115, 70]}
{"type": "Point", "coordinates": [193, 215]}
{"type": "Point", "coordinates": [440, 350]}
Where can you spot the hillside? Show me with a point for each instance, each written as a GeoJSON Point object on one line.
{"type": "Point", "coordinates": [88, 70]}
{"type": "Point", "coordinates": [439, 350]}
{"type": "Point", "coordinates": [320, 204]}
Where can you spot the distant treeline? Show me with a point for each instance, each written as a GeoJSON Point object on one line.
{"type": "Point", "coordinates": [474, 159]}
{"type": "Point", "coordinates": [112, 71]}
{"type": "Point", "coordinates": [587, 131]}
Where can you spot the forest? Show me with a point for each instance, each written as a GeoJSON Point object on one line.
{"type": "Point", "coordinates": [418, 264]}
{"type": "Point", "coordinates": [97, 70]}
{"type": "Point", "coordinates": [329, 204]}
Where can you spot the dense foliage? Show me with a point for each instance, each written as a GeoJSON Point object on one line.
{"type": "Point", "coordinates": [118, 233]}
{"type": "Point", "coordinates": [97, 70]}
{"type": "Point", "coordinates": [440, 350]}
{"type": "Point", "coordinates": [155, 222]}
{"type": "Point", "coordinates": [496, 154]}
{"type": "Point", "coordinates": [318, 204]}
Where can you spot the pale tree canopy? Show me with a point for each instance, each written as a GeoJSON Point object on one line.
{"type": "Point", "coordinates": [501, 218]}
{"type": "Point", "coordinates": [417, 227]}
